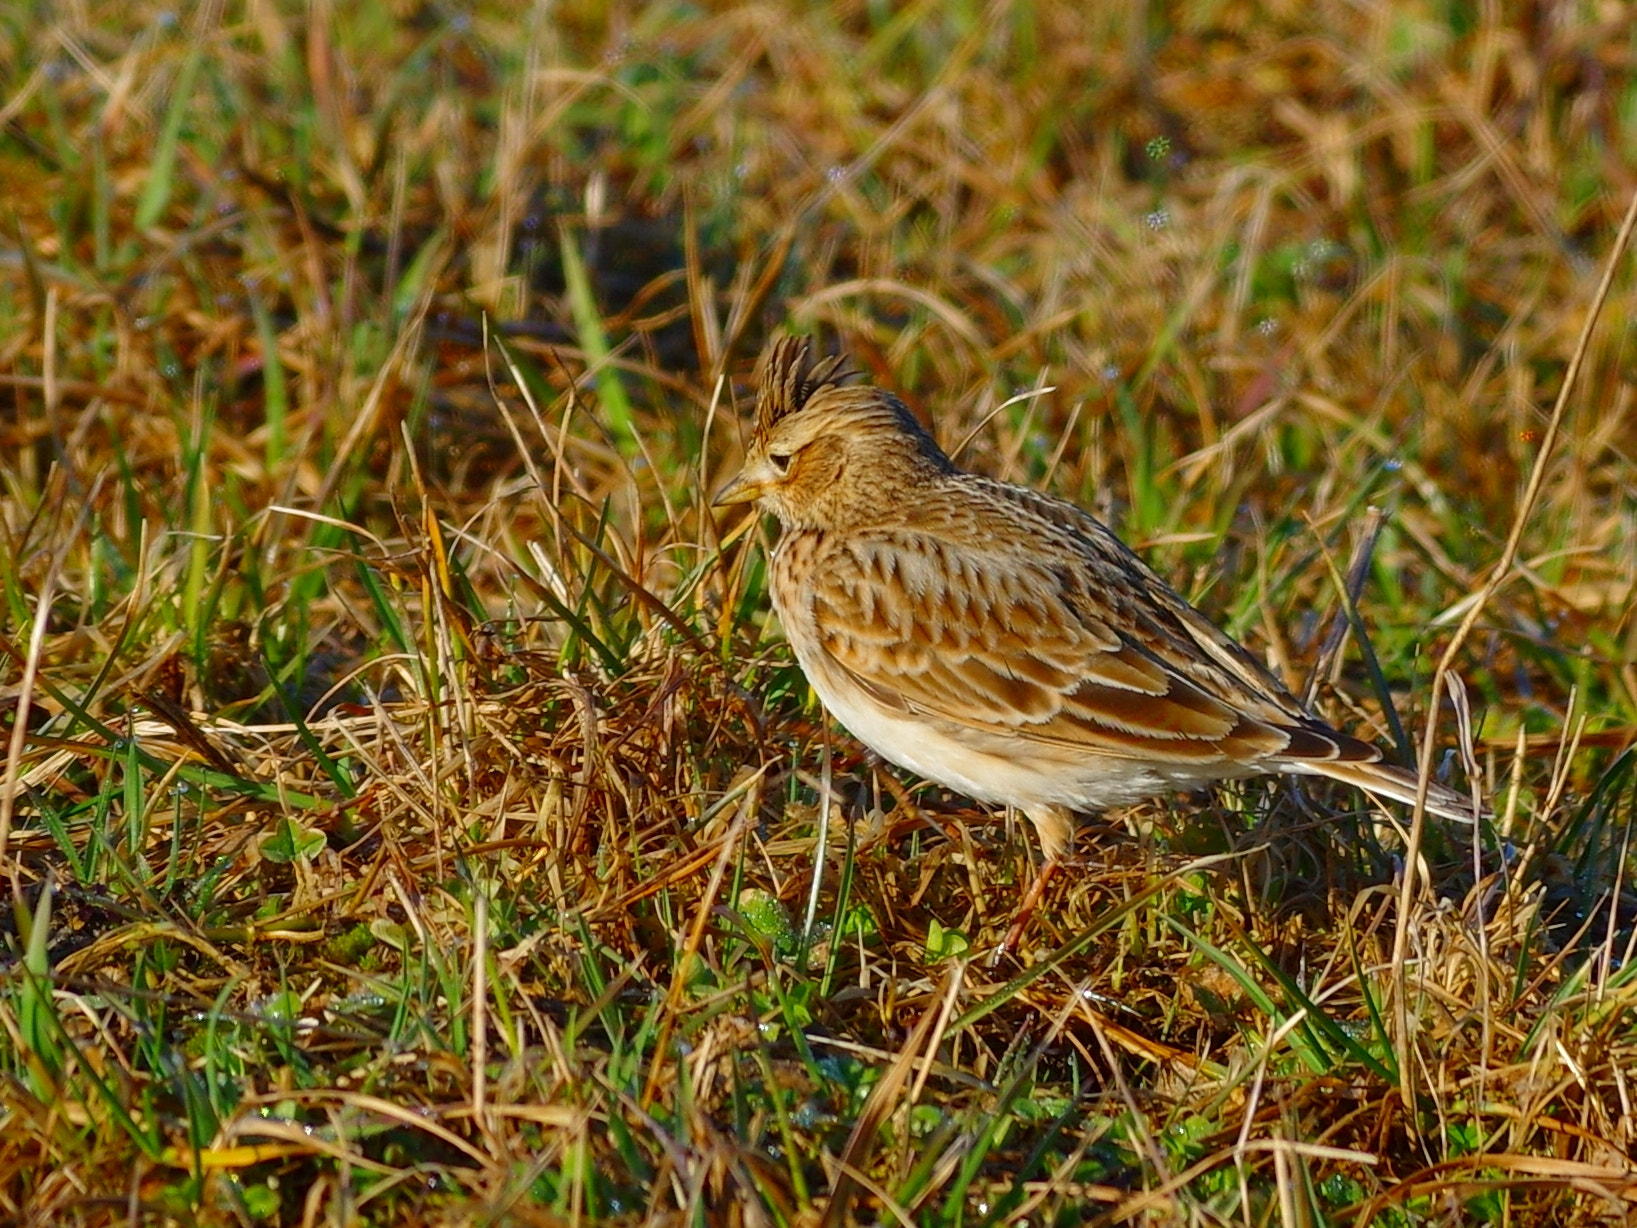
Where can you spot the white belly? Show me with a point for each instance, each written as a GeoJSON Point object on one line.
{"type": "Point", "coordinates": [1003, 767]}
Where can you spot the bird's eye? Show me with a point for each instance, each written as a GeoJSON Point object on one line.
{"type": "Point", "coordinates": [781, 461]}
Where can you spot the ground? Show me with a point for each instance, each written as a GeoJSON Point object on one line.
{"type": "Point", "coordinates": [411, 812]}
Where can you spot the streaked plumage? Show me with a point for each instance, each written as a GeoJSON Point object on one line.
{"type": "Point", "coordinates": [997, 640]}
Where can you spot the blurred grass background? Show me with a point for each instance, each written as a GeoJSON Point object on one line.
{"type": "Point", "coordinates": [410, 811]}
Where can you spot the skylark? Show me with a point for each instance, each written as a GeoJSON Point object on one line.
{"type": "Point", "coordinates": [999, 641]}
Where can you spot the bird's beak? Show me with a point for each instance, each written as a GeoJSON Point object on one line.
{"type": "Point", "coordinates": [743, 489]}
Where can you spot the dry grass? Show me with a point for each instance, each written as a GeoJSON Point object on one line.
{"type": "Point", "coordinates": [412, 812]}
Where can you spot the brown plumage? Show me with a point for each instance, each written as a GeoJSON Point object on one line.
{"type": "Point", "coordinates": [1000, 641]}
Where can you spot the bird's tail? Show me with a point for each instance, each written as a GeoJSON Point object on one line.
{"type": "Point", "coordinates": [1391, 781]}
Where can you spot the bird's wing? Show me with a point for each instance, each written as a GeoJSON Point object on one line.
{"type": "Point", "coordinates": [1053, 639]}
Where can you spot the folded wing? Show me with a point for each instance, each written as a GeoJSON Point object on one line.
{"type": "Point", "coordinates": [990, 637]}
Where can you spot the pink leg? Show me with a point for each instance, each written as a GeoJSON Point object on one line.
{"type": "Point", "coordinates": [1025, 910]}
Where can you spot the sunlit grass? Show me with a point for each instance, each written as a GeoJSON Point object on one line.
{"type": "Point", "coordinates": [414, 814]}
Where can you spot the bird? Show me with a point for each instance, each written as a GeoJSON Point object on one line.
{"type": "Point", "coordinates": [1000, 641]}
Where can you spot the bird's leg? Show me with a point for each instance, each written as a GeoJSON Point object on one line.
{"type": "Point", "coordinates": [1025, 910]}
{"type": "Point", "coordinates": [1055, 826]}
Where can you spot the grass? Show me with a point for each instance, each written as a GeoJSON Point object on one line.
{"type": "Point", "coordinates": [411, 812]}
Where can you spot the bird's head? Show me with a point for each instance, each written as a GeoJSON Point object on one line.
{"type": "Point", "coordinates": [823, 449]}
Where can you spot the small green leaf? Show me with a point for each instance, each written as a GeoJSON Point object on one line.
{"type": "Point", "coordinates": [291, 840]}
{"type": "Point", "coordinates": [260, 1202]}
{"type": "Point", "coordinates": [942, 944]}
{"type": "Point", "coordinates": [390, 932]}
{"type": "Point", "coordinates": [767, 917]}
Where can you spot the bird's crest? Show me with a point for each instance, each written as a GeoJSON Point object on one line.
{"type": "Point", "coordinates": [786, 379]}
